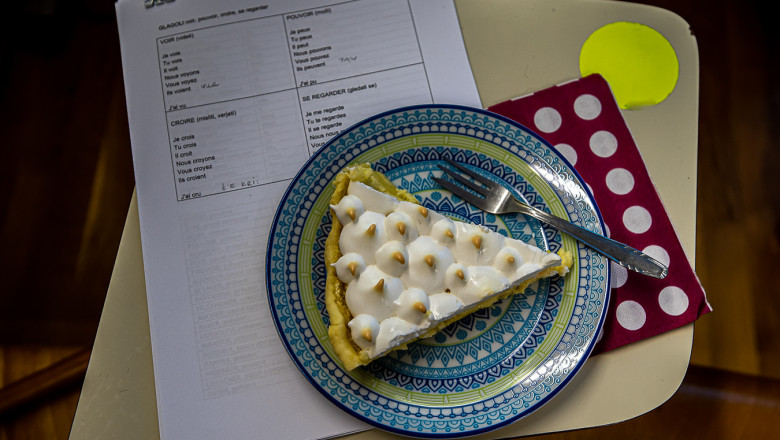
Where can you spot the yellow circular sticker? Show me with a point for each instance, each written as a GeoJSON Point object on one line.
{"type": "Point", "coordinates": [639, 64]}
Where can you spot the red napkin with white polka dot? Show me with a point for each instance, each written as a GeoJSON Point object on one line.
{"type": "Point", "coordinates": [583, 122]}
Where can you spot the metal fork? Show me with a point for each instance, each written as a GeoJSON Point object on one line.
{"type": "Point", "coordinates": [494, 198]}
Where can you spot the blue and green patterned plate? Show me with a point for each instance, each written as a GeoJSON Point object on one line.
{"type": "Point", "coordinates": [490, 368]}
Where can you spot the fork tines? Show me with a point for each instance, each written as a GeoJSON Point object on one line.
{"type": "Point", "coordinates": [481, 179]}
{"type": "Point", "coordinates": [473, 185]}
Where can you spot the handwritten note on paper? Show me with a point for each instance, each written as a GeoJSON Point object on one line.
{"type": "Point", "coordinates": [226, 102]}
{"type": "Point", "coordinates": [289, 82]}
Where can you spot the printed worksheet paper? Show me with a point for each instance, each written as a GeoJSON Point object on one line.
{"type": "Point", "coordinates": [226, 101]}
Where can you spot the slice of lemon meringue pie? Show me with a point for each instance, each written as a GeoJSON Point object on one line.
{"type": "Point", "coordinates": [398, 272]}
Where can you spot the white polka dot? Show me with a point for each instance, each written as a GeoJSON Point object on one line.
{"type": "Point", "coordinates": [568, 152]}
{"type": "Point", "coordinates": [603, 143]}
{"type": "Point", "coordinates": [620, 181]}
{"type": "Point", "coordinates": [673, 300]}
{"type": "Point", "coordinates": [587, 107]}
{"type": "Point", "coordinates": [619, 275]}
{"type": "Point", "coordinates": [637, 219]}
{"type": "Point", "coordinates": [631, 315]}
{"type": "Point", "coordinates": [547, 119]}
{"type": "Point", "coordinates": [658, 253]}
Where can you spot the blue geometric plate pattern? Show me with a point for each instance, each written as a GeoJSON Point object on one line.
{"type": "Point", "coordinates": [490, 368]}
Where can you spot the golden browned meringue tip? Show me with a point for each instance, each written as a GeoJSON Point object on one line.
{"type": "Point", "coordinates": [352, 268]}
{"type": "Point", "coordinates": [352, 213]}
{"type": "Point", "coordinates": [401, 228]}
{"type": "Point", "coordinates": [379, 287]}
{"type": "Point", "coordinates": [477, 240]}
{"type": "Point", "coordinates": [367, 334]}
{"type": "Point", "coordinates": [399, 257]}
{"type": "Point", "coordinates": [423, 210]}
{"type": "Point", "coordinates": [449, 233]}
{"type": "Point", "coordinates": [371, 230]}
{"type": "Point", "coordinates": [460, 274]}
{"type": "Point", "coordinates": [420, 307]}
{"type": "Point", "coordinates": [429, 260]}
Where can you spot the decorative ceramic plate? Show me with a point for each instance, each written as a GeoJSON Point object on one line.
{"type": "Point", "coordinates": [490, 368]}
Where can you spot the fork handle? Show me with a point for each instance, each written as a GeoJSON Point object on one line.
{"type": "Point", "coordinates": [620, 253]}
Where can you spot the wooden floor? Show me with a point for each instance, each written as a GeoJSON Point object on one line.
{"type": "Point", "coordinates": [67, 179]}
